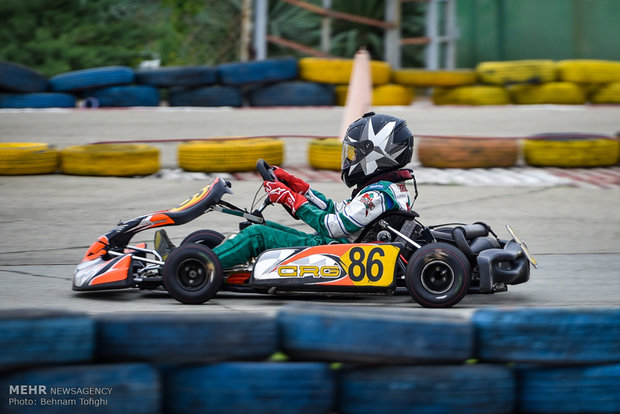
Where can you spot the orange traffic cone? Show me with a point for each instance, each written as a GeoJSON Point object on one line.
{"type": "Point", "coordinates": [359, 95]}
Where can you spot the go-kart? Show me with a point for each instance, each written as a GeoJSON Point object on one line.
{"type": "Point", "coordinates": [438, 264]}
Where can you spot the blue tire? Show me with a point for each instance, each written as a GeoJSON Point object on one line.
{"type": "Point", "coordinates": [106, 389]}
{"type": "Point", "coordinates": [360, 334]}
{"type": "Point", "coordinates": [177, 76]}
{"type": "Point", "coordinates": [565, 336]}
{"type": "Point", "coordinates": [185, 338]}
{"type": "Point", "coordinates": [37, 337]}
{"type": "Point", "coordinates": [37, 100]}
{"type": "Point", "coordinates": [206, 96]}
{"type": "Point", "coordinates": [120, 96]}
{"type": "Point", "coordinates": [590, 389]}
{"type": "Point", "coordinates": [296, 93]}
{"type": "Point", "coordinates": [463, 389]}
{"type": "Point", "coordinates": [18, 78]}
{"type": "Point", "coordinates": [260, 71]}
{"type": "Point", "coordinates": [80, 80]}
{"type": "Point", "coordinates": [250, 388]}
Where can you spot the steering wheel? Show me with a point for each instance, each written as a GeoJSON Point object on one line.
{"type": "Point", "coordinates": [265, 170]}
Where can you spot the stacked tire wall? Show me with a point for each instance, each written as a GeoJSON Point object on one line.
{"type": "Point", "coordinates": [313, 359]}
{"type": "Point", "coordinates": [312, 82]}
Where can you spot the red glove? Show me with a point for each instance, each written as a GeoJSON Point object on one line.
{"type": "Point", "coordinates": [281, 194]}
{"type": "Point", "coordinates": [296, 184]}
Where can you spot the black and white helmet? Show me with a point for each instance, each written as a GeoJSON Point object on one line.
{"type": "Point", "coordinates": [375, 144]}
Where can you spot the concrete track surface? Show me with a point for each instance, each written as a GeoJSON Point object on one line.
{"type": "Point", "coordinates": [48, 221]}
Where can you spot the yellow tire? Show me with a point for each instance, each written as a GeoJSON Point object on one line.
{"type": "Point", "coordinates": [121, 160]}
{"type": "Point", "coordinates": [325, 154]}
{"type": "Point", "coordinates": [230, 155]}
{"type": "Point", "coordinates": [566, 93]}
{"type": "Point", "coordinates": [589, 71]}
{"type": "Point", "coordinates": [516, 71]}
{"type": "Point", "coordinates": [338, 71]}
{"type": "Point", "coordinates": [571, 150]}
{"type": "Point", "coordinates": [606, 94]}
{"type": "Point", "coordinates": [471, 95]}
{"type": "Point", "coordinates": [384, 95]}
{"type": "Point", "coordinates": [26, 158]}
{"type": "Point", "coordinates": [429, 78]}
{"type": "Point", "coordinates": [468, 152]}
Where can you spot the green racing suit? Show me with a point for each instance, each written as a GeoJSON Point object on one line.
{"type": "Point", "coordinates": [333, 222]}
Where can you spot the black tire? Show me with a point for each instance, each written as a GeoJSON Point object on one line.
{"type": "Point", "coordinates": [249, 388]}
{"type": "Point", "coordinates": [45, 337]}
{"type": "Point", "coordinates": [463, 389]}
{"type": "Point", "coordinates": [366, 335]}
{"type": "Point", "coordinates": [294, 93]}
{"type": "Point", "coordinates": [209, 238]}
{"type": "Point", "coordinates": [18, 78]}
{"type": "Point", "coordinates": [192, 274]}
{"type": "Point", "coordinates": [216, 95]}
{"type": "Point", "coordinates": [178, 338]}
{"type": "Point", "coordinates": [259, 71]}
{"type": "Point", "coordinates": [37, 100]}
{"type": "Point", "coordinates": [92, 78]}
{"type": "Point", "coordinates": [122, 96]}
{"type": "Point", "coordinates": [438, 275]}
{"type": "Point", "coordinates": [177, 76]}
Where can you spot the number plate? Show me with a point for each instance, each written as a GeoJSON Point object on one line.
{"type": "Point", "coordinates": [523, 246]}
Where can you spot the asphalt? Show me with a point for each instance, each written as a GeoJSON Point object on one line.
{"type": "Point", "coordinates": [48, 221]}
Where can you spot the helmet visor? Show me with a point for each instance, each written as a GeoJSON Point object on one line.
{"type": "Point", "coordinates": [349, 154]}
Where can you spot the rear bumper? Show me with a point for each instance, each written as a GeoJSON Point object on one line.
{"type": "Point", "coordinates": [507, 266]}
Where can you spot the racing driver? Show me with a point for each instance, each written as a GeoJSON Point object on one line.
{"type": "Point", "coordinates": [375, 151]}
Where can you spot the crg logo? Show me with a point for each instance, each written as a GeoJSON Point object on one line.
{"type": "Point", "coordinates": [309, 271]}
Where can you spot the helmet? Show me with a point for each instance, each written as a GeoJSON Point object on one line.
{"type": "Point", "coordinates": [374, 144]}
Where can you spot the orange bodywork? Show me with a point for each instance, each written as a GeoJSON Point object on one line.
{"type": "Point", "coordinates": [116, 273]}
{"type": "Point", "coordinates": [97, 249]}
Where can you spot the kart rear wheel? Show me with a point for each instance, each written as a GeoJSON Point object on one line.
{"type": "Point", "coordinates": [209, 238]}
{"type": "Point", "coordinates": [438, 275]}
{"type": "Point", "coordinates": [192, 274]}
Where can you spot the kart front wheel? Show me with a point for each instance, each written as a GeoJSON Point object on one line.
{"type": "Point", "coordinates": [209, 238]}
{"type": "Point", "coordinates": [192, 274]}
{"type": "Point", "coordinates": [438, 275]}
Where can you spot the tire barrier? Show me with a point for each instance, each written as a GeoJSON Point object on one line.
{"type": "Point", "coordinates": [588, 71]}
{"type": "Point", "coordinates": [229, 155]}
{"type": "Point", "coordinates": [206, 96]}
{"type": "Point", "coordinates": [592, 389]}
{"type": "Point", "coordinates": [325, 154]}
{"type": "Point", "coordinates": [383, 95]}
{"type": "Point", "coordinates": [37, 100]}
{"type": "Point", "coordinates": [123, 96]}
{"type": "Point", "coordinates": [562, 93]}
{"type": "Point", "coordinates": [36, 337]}
{"type": "Point", "coordinates": [110, 389]}
{"type": "Point", "coordinates": [250, 388]}
{"type": "Point", "coordinates": [467, 152]}
{"type": "Point", "coordinates": [430, 78]}
{"type": "Point", "coordinates": [25, 158]}
{"type": "Point", "coordinates": [516, 71]}
{"type": "Point", "coordinates": [570, 150]}
{"type": "Point", "coordinates": [558, 336]}
{"type": "Point", "coordinates": [110, 160]}
{"type": "Point", "coordinates": [260, 71]}
{"type": "Point", "coordinates": [528, 360]}
{"type": "Point", "coordinates": [358, 334]}
{"type": "Point", "coordinates": [18, 78]}
{"type": "Point", "coordinates": [165, 77]}
{"type": "Point", "coordinates": [606, 94]}
{"type": "Point", "coordinates": [338, 71]}
{"type": "Point", "coordinates": [80, 80]}
{"type": "Point", "coordinates": [294, 93]}
{"type": "Point", "coordinates": [168, 338]}
{"type": "Point", "coordinates": [471, 95]}
{"type": "Point", "coordinates": [474, 389]}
